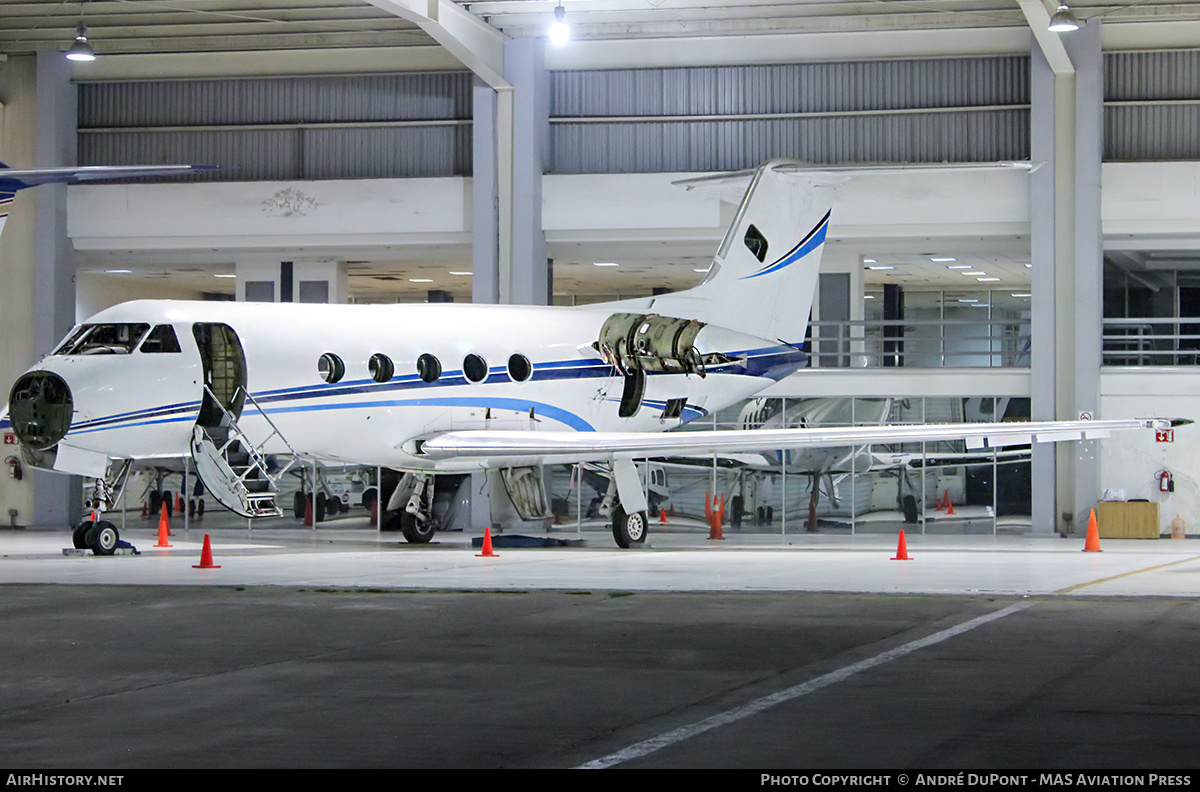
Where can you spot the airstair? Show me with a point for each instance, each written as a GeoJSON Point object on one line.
{"type": "Point", "coordinates": [234, 469]}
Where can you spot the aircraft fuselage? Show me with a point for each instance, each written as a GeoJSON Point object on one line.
{"type": "Point", "coordinates": [360, 384]}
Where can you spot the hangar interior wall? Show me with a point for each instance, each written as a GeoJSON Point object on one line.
{"type": "Point", "coordinates": [1132, 462]}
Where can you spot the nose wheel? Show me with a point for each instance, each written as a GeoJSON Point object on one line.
{"type": "Point", "coordinates": [100, 537]}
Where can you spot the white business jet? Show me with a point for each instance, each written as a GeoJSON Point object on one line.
{"type": "Point", "coordinates": [454, 388]}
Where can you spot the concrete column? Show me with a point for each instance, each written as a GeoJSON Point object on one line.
{"type": "Point", "coordinates": [485, 251]}
{"type": "Point", "coordinates": [57, 498]}
{"type": "Point", "coordinates": [1043, 343]}
{"type": "Point", "coordinates": [259, 279]}
{"type": "Point", "coordinates": [18, 136]}
{"type": "Point", "coordinates": [1084, 47]}
{"type": "Point", "coordinates": [320, 281]}
{"type": "Point", "coordinates": [524, 67]}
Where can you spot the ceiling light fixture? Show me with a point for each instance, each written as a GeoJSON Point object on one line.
{"type": "Point", "coordinates": [605, 264]}
{"type": "Point", "coordinates": [452, 272]}
{"type": "Point", "coordinates": [881, 268]}
{"type": "Point", "coordinates": [1063, 20]}
{"type": "Point", "coordinates": [559, 32]}
{"type": "Point", "coordinates": [81, 50]}
{"type": "Point", "coordinates": [942, 258]}
{"type": "Point", "coordinates": [974, 272]}
{"type": "Point", "coordinates": [958, 266]}
{"type": "Point", "coordinates": [420, 280]}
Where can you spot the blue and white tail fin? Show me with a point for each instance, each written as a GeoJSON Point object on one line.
{"type": "Point", "coordinates": [764, 275]}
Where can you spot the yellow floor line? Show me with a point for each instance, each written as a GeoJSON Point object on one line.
{"type": "Point", "coordinates": [1078, 586]}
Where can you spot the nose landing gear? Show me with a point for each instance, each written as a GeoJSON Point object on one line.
{"type": "Point", "coordinates": [101, 537]}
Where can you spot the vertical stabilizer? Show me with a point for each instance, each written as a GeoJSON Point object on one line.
{"type": "Point", "coordinates": [763, 277]}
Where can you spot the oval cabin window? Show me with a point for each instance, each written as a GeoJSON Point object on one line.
{"type": "Point", "coordinates": [475, 368]}
{"type": "Point", "coordinates": [331, 368]}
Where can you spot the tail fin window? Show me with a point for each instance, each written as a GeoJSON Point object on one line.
{"type": "Point", "coordinates": [756, 242]}
{"type": "Point", "coordinates": [161, 340]}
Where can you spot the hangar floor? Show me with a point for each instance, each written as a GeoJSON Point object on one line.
{"type": "Point", "coordinates": [342, 647]}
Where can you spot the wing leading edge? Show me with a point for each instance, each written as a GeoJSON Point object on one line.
{"type": "Point", "coordinates": [591, 446]}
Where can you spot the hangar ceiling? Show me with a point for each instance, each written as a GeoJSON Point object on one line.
{"type": "Point", "coordinates": [258, 30]}
{"type": "Point", "coordinates": [180, 26]}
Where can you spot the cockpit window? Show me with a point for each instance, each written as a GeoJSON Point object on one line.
{"type": "Point", "coordinates": [104, 339]}
{"type": "Point", "coordinates": [161, 339]}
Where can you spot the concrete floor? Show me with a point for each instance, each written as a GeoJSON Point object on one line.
{"type": "Point", "coordinates": [343, 647]}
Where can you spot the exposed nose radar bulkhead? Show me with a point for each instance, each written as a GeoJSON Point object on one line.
{"type": "Point", "coordinates": [40, 409]}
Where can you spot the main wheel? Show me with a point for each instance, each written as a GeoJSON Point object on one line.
{"type": "Point", "coordinates": [415, 532]}
{"type": "Point", "coordinates": [103, 537]}
{"type": "Point", "coordinates": [299, 503]}
{"type": "Point", "coordinates": [629, 529]}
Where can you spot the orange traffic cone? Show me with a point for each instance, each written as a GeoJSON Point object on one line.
{"type": "Point", "coordinates": [164, 529]}
{"type": "Point", "coordinates": [707, 506]}
{"type": "Point", "coordinates": [374, 513]}
{"type": "Point", "coordinates": [714, 525]}
{"type": "Point", "coordinates": [308, 515]}
{"type": "Point", "coordinates": [145, 510]}
{"type": "Point", "coordinates": [949, 506]}
{"type": "Point", "coordinates": [662, 517]}
{"type": "Point", "coordinates": [672, 511]}
{"type": "Point", "coordinates": [206, 557]}
{"type": "Point", "coordinates": [942, 501]}
{"type": "Point", "coordinates": [1092, 544]}
{"type": "Point", "coordinates": [487, 545]}
{"type": "Point", "coordinates": [901, 549]}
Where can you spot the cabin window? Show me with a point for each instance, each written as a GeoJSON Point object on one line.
{"type": "Point", "coordinates": [475, 368]}
{"type": "Point", "coordinates": [105, 339]}
{"type": "Point", "coordinates": [161, 340]}
{"type": "Point", "coordinates": [331, 368]}
{"type": "Point", "coordinates": [756, 242]}
{"type": "Point", "coordinates": [381, 367]}
{"type": "Point", "coordinates": [429, 368]}
{"type": "Point", "coordinates": [519, 368]}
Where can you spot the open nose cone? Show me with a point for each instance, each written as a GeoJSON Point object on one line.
{"type": "Point", "coordinates": [40, 409]}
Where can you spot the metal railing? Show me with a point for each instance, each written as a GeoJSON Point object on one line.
{"type": "Point", "coordinates": [986, 343]}
{"type": "Point", "coordinates": [1169, 341]}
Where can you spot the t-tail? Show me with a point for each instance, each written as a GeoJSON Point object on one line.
{"type": "Point", "coordinates": [762, 279]}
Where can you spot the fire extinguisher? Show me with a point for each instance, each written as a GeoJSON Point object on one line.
{"type": "Point", "coordinates": [1165, 482]}
{"type": "Point", "coordinates": [14, 467]}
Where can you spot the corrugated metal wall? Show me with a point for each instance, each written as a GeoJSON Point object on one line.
{"type": "Point", "coordinates": [1152, 107]}
{"type": "Point", "coordinates": [371, 126]}
{"type": "Point", "coordinates": [969, 109]}
{"type": "Point", "coordinates": [632, 120]}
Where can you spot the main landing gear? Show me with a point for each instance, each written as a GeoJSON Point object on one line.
{"type": "Point", "coordinates": [629, 529]}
